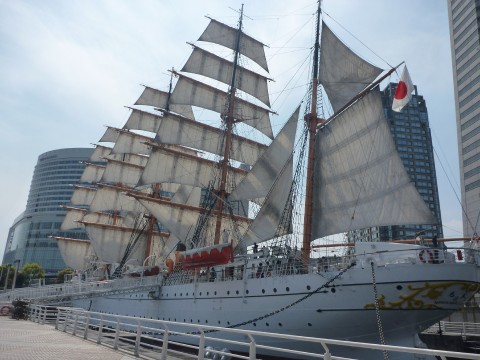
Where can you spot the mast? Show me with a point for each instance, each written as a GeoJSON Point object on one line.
{"type": "Point", "coordinates": [312, 121]}
{"type": "Point", "coordinates": [229, 121]}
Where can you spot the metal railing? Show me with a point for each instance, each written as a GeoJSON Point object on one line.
{"type": "Point", "coordinates": [454, 328]}
{"type": "Point", "coordinates": [155, 339]}
{"type": "Point", "coordinates": [415, 256]}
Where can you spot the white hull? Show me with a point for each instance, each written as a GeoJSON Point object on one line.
{"type": "Point", "coordinates": [345, 310]}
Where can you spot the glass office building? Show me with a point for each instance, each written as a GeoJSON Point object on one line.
{"type": "Point", "coordinates": [411, 133]}
{"type": "Point", "coordinates": [29, 237]}
{"type": "Point", "coordinates": [464, 20]}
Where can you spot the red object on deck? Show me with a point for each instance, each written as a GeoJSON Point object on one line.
{"type": "Point", "coordinates": [459, 255]}
{"type": "Point", "coordinates": [207, 256]}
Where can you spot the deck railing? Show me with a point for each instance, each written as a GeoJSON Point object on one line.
{"type": "Point", "coordinates": [275, 267]}
{"type": "Point", "coordinates": [155, 339]}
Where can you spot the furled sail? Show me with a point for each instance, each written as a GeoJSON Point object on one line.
{"type": "Point", "coordinates": [224, 35]}
{"type": "Point", "coordinates": [360, 180]}
{"type": "Point", "coordinates": [205, 63]}
{"type": "Point", "coordinates": [343, 73]}
{"type": "Point", "coordinates": [74, 252]}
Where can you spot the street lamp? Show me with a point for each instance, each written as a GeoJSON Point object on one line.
{"type": "Point", "coordinates": [16, 272]}
{"type": "Point", "coordinates": [6, 279]}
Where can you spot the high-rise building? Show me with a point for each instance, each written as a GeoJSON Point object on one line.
{"type": "Point", "coordinates": [29, 237]}
{"type": "Point", "coordinates": [464, 19]}
{"type": "Point", "coordinates": [411, 133]}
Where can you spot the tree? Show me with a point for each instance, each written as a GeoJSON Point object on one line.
{"type": "Point", "coordinates": [61, 275]}
{"type": "Point", "coordinates": [32, 271]}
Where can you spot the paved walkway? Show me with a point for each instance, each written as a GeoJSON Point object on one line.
{"type": "Point", "coordinates": [25, 340]}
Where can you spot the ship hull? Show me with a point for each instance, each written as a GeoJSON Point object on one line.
{"type": "Point", "coordinates": [302, 305]}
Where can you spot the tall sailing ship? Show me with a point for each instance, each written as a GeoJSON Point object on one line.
{"type": "Point", "coordinates": [224, 222]}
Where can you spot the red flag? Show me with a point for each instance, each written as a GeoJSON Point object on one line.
{"type": "Point", "coordinates": [403, 94]}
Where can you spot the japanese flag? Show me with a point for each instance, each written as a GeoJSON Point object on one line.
{"type": "Point", "coordinates": [403, 94]}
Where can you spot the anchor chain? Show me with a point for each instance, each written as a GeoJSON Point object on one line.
{"type": "Point", "coordinates": [282, 308]}
{"type": "Point", "coordinates": [377, 311]}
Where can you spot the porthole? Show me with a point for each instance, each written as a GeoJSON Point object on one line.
{"type": "Point", "coordinates": [236, 292]}
{"type": "Point", "coordinates": [399, 287]}
{"type": "Point", "coordinates": [198, 321]}
{"type": "Point", "coordinates": [274, 290]}
{"type": "Point", "coordinates": [175, 294]}
{"type": "Point", "coordinates": [263, 291]}
{"type": "Point", "coordinates": [254, 324]}
{"type": "Point", "coordinates": [215, 293]}
{"type": "Point", "coordinates": [228, 292]}
{"type": "Point", "coordinates": [333, 290]}
{"type": "Point", "coordinates": [180, 294]}
{"type": "Point", "coordinates": [267, 324]}
{"type": "Point", "coordinates": [207, 293]}
{"type": "Point", "coordinates": [218, 322]}
{"type": "Point", "coordinates": [186, 294]}
{"type": "Point", "coordinates": [228, 322]}
{"type": "Point", "coordinates": [206, 321]}
{"type": "Point", "coordinates": [201, 293]}
{"type": "Point", "coordinates": [287, 289]}
{"type": "Point", "coordinates": [309, 324]}
{"type": "Point", "coordinates": [308, 287]}
{"type": "Point", "coordinates": [280, 324]}
{"type": "Point", "coordinates": [246, 291]}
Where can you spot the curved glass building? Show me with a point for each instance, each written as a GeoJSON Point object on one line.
{"type": "Point", "coordinates": [29, 237]}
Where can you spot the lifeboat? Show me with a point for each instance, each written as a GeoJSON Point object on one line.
{"type": "Point", "coordinates": [206, 256]}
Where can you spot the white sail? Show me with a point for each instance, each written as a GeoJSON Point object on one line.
{"type": "Point", "coordinates": [167, 165]}
{"type": "Point", "coordinates": [266, 170]}
{"type": "Point", "coordinates": [100, 153]}
{"type": "Point", "coordinates": [205, 63]}
{"type": "Point", "coordinates": [343, 73]}
{"type": "Point", "coordinates": [360, 180]}
{"type": "Point", "coordinates": [141, 120]}
{"type": "Point", "coordinates": [110, 135]}
{"type": "Point", "coordinates": [112, 198]}
{"type": "Point", "coordinates": [131, 143]}
{"type": "Point", "coordinates": [82, 195]}
{"type": "Point", "coordinates": [190, 91]}
{"type": "Point", "coordinates": [159, 99]}
{"type": "Point", "coordinates": [224, 35]}
{"type": "Point", "coordinates": [92, 173]}
{"type": "Point", "coordinates": [126, 171]}
{"type": "Point", "coordinates": [110, 242]}
{"type": "Point", "coordinates": [72, 218]}
{"type": "Point", "coordinates": [273, 211]}
{"type": "Point", "coordinates": [187, 195]}
{"type": "Point", "coordinates": [177, 130]}
{"type": "Point", "coordinates": [181, 220]}
{"type": "Point", "coordinates": [74, 252]}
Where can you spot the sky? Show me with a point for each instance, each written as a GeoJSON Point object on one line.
{"type": "Point", "coordinates": [68, 68]}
